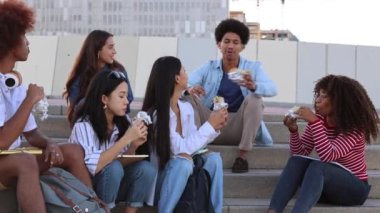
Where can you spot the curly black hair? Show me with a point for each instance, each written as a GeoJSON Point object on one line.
{"type": "Point", "coordinates": [352, 107]}
{"type": "Point", "coordinates": [16, 19]}
{"type": "Point", "coordinates": [232, 26]}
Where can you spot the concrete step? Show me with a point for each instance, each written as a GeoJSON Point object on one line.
{"type": "Point", "coordinates": [57, 126]}
{"type": "Point", "coordinates": [265, 169]}
{"type": "Point", "coordinates": [260, 206]}
{"type": "Point", "coordinates": [249, 205]}
{"type": "Point", "coordinates": [276, 157]}
{"type": "Point", "coordinates": [260, 183]}
{"type": "Point", "coordinates": [263, 157]}
{"type": "Point", "coordinates": [231, 205]}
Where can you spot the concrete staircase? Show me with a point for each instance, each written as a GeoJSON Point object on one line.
{"type": "Point", "coordinates": [248, 192]}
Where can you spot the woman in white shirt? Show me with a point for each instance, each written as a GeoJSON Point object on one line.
{"type": "Point", "coordinates": [104, 132]}
{"type": "Point", "coordinates": [175, 138]}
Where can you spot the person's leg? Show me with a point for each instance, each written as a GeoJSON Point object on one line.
{"type": "Point", "coordinates": [73, 155]}
{"type": "Point", "coordinates": [252, 113]}
{"type": "Point", "coordinates": [288, 183]}
{"type": "Point", "coordinates": [343, 188]}
{"type": "Point", "coordinates": [241, 130]}
{"type": "Point", "coordinates": [136, 183]}
{"type": "Point", "coordinates": [214, 166]}
{"type": "Point", "coordinates": [21, 170]}
{"type": "Point", "coordinates": [107, 182]}
{"type": "Point", "coordinates": [337, 185]}
{"type": "Point", "coordinates": [175, 175]}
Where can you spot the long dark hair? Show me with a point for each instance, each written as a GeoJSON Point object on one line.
{"type": "Point", "coordinates": [86, 66]}
{"type": "Point", "coordinates": [352, 107]}
{"type": "Point", "coordinates": [159, 90]}
{"type": "Point", "coordinates": [103, 83]}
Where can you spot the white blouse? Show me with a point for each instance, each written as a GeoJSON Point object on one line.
{"type": "Point", "coordinates": [192, 139]}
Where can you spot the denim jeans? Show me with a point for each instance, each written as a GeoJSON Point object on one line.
{"type": "Point", "coordinates": [172, 181]}
{"type": "Point", "coordinates": [318, 181]}
{"type": "Point", "coordinates": [128, 184]}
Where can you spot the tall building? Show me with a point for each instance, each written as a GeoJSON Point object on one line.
{"type": "Point", "coordinates": [190, 18]}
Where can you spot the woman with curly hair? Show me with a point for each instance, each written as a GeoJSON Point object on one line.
{"type": "Point", "coordinates": [345, 119]}
{"type": "Point", "coordinates": [22, 171]}
{"type": "Point", "coordinates": [97, 54]}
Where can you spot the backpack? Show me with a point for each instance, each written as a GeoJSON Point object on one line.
{"type": "Point", "coordinates": [196, 196]}
{"type": "Point", "coordinates": [65, 193]}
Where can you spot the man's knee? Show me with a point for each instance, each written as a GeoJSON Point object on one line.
{"type": "Point", "coordinates": [23, 164]}
{"type": "Point", "coordinates": [72, 153]}
{"type": "Point", "coordinates": [254, 102]}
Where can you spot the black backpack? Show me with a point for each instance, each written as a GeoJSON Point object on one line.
{"type": "Point", "coordinates": [196, 196]}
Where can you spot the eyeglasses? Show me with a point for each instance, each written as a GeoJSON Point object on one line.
{"type": "Point", "coordinates": [117, 74]}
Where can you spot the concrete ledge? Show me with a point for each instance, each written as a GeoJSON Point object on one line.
{"type": "Point", "coordinates": [260, 183]}
{"type": "Point", "coordinates": [231, 205]}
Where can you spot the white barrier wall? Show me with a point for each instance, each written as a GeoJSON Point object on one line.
{"type": "Point", "coordinates": [280, 61]}
{"type": "Point", "coordinates": [294, 66]}
{"type": "Point", "coordinates": [67, 52]}
{"type": "Point", "coordinates": [311, 65]}
{"type": "Point", "coordinates": [40, 66]}
{"type": "Point", "coordinates": [368, 71]}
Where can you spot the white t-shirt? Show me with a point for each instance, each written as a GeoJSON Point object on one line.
{"type": "Point", "coordinates": [10, 101]}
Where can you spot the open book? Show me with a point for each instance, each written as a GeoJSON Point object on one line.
{"type": "Point", "coordinates": [29, 150]}
{"type": "Point", "coordinates": [333, 162]}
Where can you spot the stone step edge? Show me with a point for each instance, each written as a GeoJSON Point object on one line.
{"type": "Point", "coordinates": [235, 205]}
{"type": "Point", "coordinates": [276, 145]}
{"type": "Point", "coordinates": [374, 203]}
{"type": "Point", "coordinates": [277, 172]}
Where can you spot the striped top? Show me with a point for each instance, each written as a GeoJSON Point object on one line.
{"type": "Point", "coordinates": [84, 135]}
{"type": "Point", "coordinates": [346, 149]}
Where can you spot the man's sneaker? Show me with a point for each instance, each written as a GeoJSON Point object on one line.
{"type": "Point", "coordinates": [240, 166]}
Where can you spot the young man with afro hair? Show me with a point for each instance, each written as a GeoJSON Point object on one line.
{"type": "Point", "coordinates": [22, 171]}
{"type": "Point", "coordinates": [245, 105]}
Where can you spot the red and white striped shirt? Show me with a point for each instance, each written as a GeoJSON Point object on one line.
{"type": "Point", "coordinates": [346, 149]}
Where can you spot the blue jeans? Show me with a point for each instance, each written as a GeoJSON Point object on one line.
{"type": "Point", "coordinates": [128, 184]}
{"type": "Point", "coordinates": [172, 181]}
{"type": "Point", "coordinates": [318, 181]}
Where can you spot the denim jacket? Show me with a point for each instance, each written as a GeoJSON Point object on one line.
{"type": "Point", "coordinates": [210, 75]}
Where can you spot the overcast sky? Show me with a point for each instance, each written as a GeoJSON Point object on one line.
{"type": "Point", "coordinates": [355, 22]}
